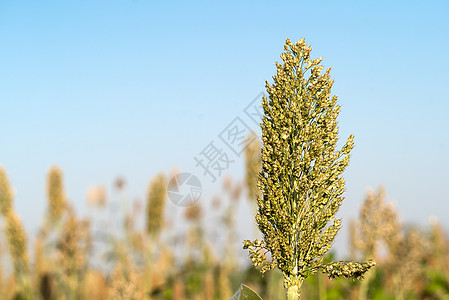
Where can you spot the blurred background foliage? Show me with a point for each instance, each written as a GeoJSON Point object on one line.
{"type": "Point", "coordinates": [131, 250]}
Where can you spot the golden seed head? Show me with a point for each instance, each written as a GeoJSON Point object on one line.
{"type": "Point", "coordinates": [124, 280]}
{"type": "Point", "coordinates": [301, 179]}
{"type": "Point", "coordinates": [55, 193]}
{"type": "Point", "coordinates": [119, 183]}
{"type": "Point", "coordinates": [96, 196]}
{"type": "Point", "coordinates": [73, 244]}
{"type": "Point", "coordinates": [17, 240]}
{"type": "Point", "coordinates": [156, 198]}
{"type": "Point", "coordinates": [193, 212]}
{"type": "Point", "coordinates": [5, 193]}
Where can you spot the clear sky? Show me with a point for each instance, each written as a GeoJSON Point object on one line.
{"type": "Point", "coordinates": [130, 88]}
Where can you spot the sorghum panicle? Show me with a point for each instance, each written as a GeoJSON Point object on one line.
{"type": "Point", "coordinates": [5, 193]}
{"type": "Point", "coordinates": [300, 181]}
{"type": "Point", "coordinates": [56, 195]}
{"type": "Point", "coordinates": [157, 196]}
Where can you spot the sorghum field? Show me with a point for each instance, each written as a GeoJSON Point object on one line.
{"type": "Point", "coordinates": [132, 86]}
{"type": "Point", "coordinates": [67, 260]}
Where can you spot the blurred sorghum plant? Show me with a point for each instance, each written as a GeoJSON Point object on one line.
{"type": "Point", "coordinates": [17, 240]}
{"type": "Point", "coordinates": [124, 280]}
{"type": "Point", "coordinates": [5, 193]}
{"type": "Point", "coordinates": [157, 196]}
{"type": "Point", "coordinates": [15, 235]}
{"type": "Point", "coordinates": [372, 223]}
{"type": "Point", "coordinates": [73, 246]}
{"type": "Point", "coordinates": [156, 199]}
{"type": "Point", "coordinates": [301, 181]}
{"type": "Point", "coordinates": [55, 192]}
{"type": "Point", "coordinates": [253, 164]}
{"type": "Point", "coordinates": [407, 249]}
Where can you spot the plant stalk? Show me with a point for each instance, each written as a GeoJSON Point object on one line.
{"type": "Point", "coordinates": [293, 286]}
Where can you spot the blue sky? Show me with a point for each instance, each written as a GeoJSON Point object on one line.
{"type": "Point", "coordinates": [130, 88]}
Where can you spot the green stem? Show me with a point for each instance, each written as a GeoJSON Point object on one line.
{"type": "Point", "coordinates": [293, 292]}
{"type": "Point", "coordinates": [293, 286]}
{"type": "Point", "coordinates": [399, 295]}
{"type": "Point", "coordinates": [149, 269]}
{"type": "Point", "coordinates": [363, 292]}
{"type": "Point", "coordinates": [321, 286]}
